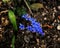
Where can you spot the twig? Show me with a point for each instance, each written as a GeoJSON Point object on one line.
{"type": "Point", "coordinates": [28, 7]}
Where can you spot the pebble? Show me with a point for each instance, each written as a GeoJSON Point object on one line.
{"type": "Point", "coordinates": [58, 39]}
{"type": "Point", "coordinates": [43, 46]}
{"type": "Point", "coordinates": [45, 18]}
{"type": "Point", "coordinates": [37, 41]}
{"type": "Point", "coordinates": [58, 27]}
{"type": "Point", "coordinates": [26, 38]}
{"type": "Point", "coordinates": [59, 7]}
{"type": "Point", "coordinates": [55, 36]}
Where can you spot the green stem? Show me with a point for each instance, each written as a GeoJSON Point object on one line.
{"type": "Point", "coordinates": [13, 41]}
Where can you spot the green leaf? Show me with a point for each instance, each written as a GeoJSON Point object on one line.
{"type": "Point", "coordinates": [12, 18]}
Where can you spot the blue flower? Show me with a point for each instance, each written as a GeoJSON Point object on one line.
{"type": "Point", "coordinates": [23, 16]}
{"type": "Point", "coordinates": [32, 20]}
{"type": "Point", "coordinates": [33, 30]}
{"type": "Point", "coordinates": [42, 33]}
{"type": "Point", "coordinates": [22, 27]}
{"type": "Point", "coordinates": [26, 16]}
{"type": "Point", "coordinates": [29, 28]}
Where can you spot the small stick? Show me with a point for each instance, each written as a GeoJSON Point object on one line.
{"type": "Point", "coordinates": [28, 7]}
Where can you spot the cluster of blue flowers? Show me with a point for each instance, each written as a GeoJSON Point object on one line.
{"type": "Point", "coordinates": [35, 26]}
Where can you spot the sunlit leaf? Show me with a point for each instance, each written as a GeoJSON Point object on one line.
{"type": "Point", "coordinates": [36, 6]}
{"type": "Point", "coordinates": [12, 18]}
